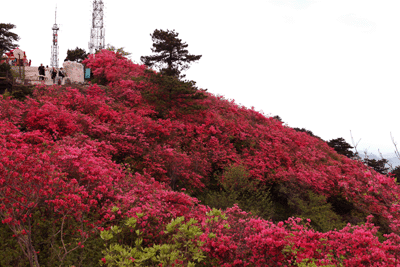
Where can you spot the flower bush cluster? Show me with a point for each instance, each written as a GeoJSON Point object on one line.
{"type": "Point", "coordinates": [76, 154]}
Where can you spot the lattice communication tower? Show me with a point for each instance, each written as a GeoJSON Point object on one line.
{"type": "Point", "coordinates": [97, 33]}
{"type": "Point", "coordinates": [54, 47]}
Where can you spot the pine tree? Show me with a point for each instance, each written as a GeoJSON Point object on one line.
{"type": "Point", "coordinates": [172, 92]}
{"type": "Point", "coordinates": [7, 38]}
{"type": "Point", "coordinates": [377, 165]}
{"type": "Point", "coordinates": [341, 147]}
{"type": "Point", "coordinates": [172, 56]}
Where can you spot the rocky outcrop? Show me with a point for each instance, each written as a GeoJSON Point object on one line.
{"type": "Point", "coordinates": [74, 71]}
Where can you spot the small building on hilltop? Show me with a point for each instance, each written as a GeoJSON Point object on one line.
{"type": "Point", "coordinates": [9, 56]}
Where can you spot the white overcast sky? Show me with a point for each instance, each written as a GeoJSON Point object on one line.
{"type": "Point", "coordinates": [330, 66]}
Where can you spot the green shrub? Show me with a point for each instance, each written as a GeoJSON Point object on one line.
{"type": "Point", "coordinates": [4, 67]}
{"type": "Point", "coordinates": [236, 187]}
{"type": "Point", "coordinates": [172, 93]}
{"type": "Point", "coordinates": [20, 92]}
{"type": "Point", "coordinates": [306, 204]}
{"type": "Point", "coordinates": [10, 252]}
{"type": "Point", "coordinates": [181, 245]}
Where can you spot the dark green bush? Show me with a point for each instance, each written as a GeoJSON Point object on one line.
{"type": "Point", "coordinates": [236, 187]}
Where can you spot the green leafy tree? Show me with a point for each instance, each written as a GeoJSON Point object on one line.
{"type": "Point", "coordinates": [118, 50]}
{"type": "Point", "coordinates": [7, 38]}
{"type": "Point", "coordinates": [172, 56]}
{"type": "Point", "coordinates": [342, 147]}
{"type": "Point", "coordinates": [78, 55]}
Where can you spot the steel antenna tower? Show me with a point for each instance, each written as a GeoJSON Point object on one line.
{"type": "Point", "coordinates": [54, 47]}
{"type": "Point", "coordinates": [97, 40]}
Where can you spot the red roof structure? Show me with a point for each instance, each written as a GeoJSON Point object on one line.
{"type": "Point", "coordinates": [10, 56]}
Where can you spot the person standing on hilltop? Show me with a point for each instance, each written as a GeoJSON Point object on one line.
{"type": "Point", "coordinates": [41, 72]}
{"type": "Point", "coordinates": [54, 75]}
{"type": "Point", "coordinates": [61, 74]}
{"type": "Point", "coordinates": [48, 72]}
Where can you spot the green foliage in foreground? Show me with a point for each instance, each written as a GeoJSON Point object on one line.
{"type": "Point", "coordinates": [181, 246]}
{"type": "Point", "coordinates": [49, 245]}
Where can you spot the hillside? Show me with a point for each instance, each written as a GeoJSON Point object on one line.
{"type": "Point", "coordinates": [77, 160]}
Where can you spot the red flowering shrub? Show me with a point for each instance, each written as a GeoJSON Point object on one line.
{"type": "Point", "coordinates": [113, 66]}
{"type": "Point", "coordinates": [75, 153]}
{"type": "Point", "coordinates": [68, 178]}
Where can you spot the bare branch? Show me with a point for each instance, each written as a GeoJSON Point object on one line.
{"type": "Point", "coordinates": [387, 162]}
{"type": "Point", "coordinates": [396, 150]}
{"type": "Point", "coordinates": [354, 144]}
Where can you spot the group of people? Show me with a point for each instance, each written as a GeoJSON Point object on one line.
{"type": "Point", "coordinates": [53, 73]}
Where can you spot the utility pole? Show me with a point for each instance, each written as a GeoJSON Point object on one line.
{"type": "Point", "coordinates": [54, 47]}
{"type": "Point", "coordinates": [97, 33]}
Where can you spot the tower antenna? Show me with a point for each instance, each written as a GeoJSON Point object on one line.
{"type": "Point", "coordinates": [97, 33]}
{"type": "Point", "coordinates": [54, 47]}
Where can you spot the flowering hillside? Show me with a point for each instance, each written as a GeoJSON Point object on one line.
{"type": "Point", "coordinates": [142, 163]}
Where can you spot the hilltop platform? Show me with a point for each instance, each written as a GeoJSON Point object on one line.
{"type": "Point", "coordinates": [73, 70]}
